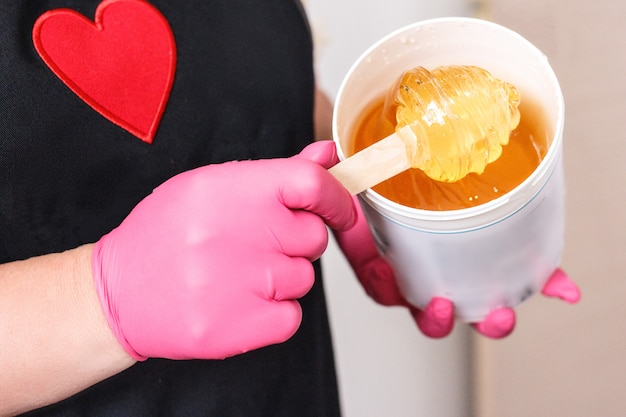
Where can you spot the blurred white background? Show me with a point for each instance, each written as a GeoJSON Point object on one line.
{"type": "Point", "coordinates": [565, 361]}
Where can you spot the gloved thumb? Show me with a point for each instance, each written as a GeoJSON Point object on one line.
{"type": "Point", "coordinates": [323, 153]}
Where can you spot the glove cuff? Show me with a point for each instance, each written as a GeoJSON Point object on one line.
{"type": "Point", "coordinates": [104, 289]}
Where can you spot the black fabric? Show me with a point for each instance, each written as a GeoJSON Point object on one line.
{"type": "Point", "coordinates": [243, 90]}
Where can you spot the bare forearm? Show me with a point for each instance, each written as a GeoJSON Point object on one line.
{"type": "Point", "coordinates": [54, 339]}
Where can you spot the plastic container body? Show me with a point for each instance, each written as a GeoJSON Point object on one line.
{"type": "Point", "coordinates": [485, 257]}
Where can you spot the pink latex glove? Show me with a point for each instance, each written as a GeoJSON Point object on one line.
{"type": "Point", "coordinates": [437, 319]}
{"type": "Point", "coordinates": [211, 263]}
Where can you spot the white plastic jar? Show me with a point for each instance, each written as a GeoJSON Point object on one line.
{"type": "Point", "coordinates": [481, 258]}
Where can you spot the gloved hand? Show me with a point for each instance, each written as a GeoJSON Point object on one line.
{"type": "Point", "coordinates": [210, 264]}
{"type": "Point", "coordinates": [437, 319]}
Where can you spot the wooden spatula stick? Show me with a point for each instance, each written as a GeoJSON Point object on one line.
{"type": "Point", "coordinates": [373, 165]}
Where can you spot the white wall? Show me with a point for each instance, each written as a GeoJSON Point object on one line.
{"type": "Point", "coordinates": [562, 360]}
{"type": "Point", "coordinates": [386, 367]}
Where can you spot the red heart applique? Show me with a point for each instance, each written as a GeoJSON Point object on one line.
{"type": "Point", "coordinates": [122, 64]}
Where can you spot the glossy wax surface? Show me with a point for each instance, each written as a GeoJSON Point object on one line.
{"type": "Point", "coordinates": [454, 119]}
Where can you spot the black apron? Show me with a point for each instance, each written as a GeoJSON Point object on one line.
{"type": "Point", "coordinates": [70, 172]}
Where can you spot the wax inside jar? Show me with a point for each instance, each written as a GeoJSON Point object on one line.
{"type": "Point", "coordinates": [527, 145]}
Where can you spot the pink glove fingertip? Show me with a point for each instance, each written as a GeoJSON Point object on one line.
{"type": "Point", "coordinates": [378, 280]}
{"type": "Point", "coordinates": [560, 286]}
{"type": "Point", "coordinates": [437, 319]}
{"type": "Point", "coordinates": [323, 152]}
{"type": "Point", "coordinates": [498, 324]}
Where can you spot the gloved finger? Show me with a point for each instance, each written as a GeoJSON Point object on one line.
{"type": "Point", "coordinates": [301, 234]}
{"type": "Point", "coordinates": [270, 323]}
{"type": "Point", "coordinates": [498, 324]}
{"type": "Point", "coordinates": [308, 186]}
{"type": "Point", "coordinates": [282, 318]}
{"type": "Point", "coordinates": [323, 152]}
{"type": "Point", "coordinates": [559, 285]}
{"type": "Point", "coordinates": [437, 319]}
{"type": "Point", "coordinates": [373, 271]}
{"type": "Point", "coordinates": [378, 280]}
{"type": "Point", "coordinates": [357, 242]}
{"type": "Point", "coordinates": [289, 278]}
